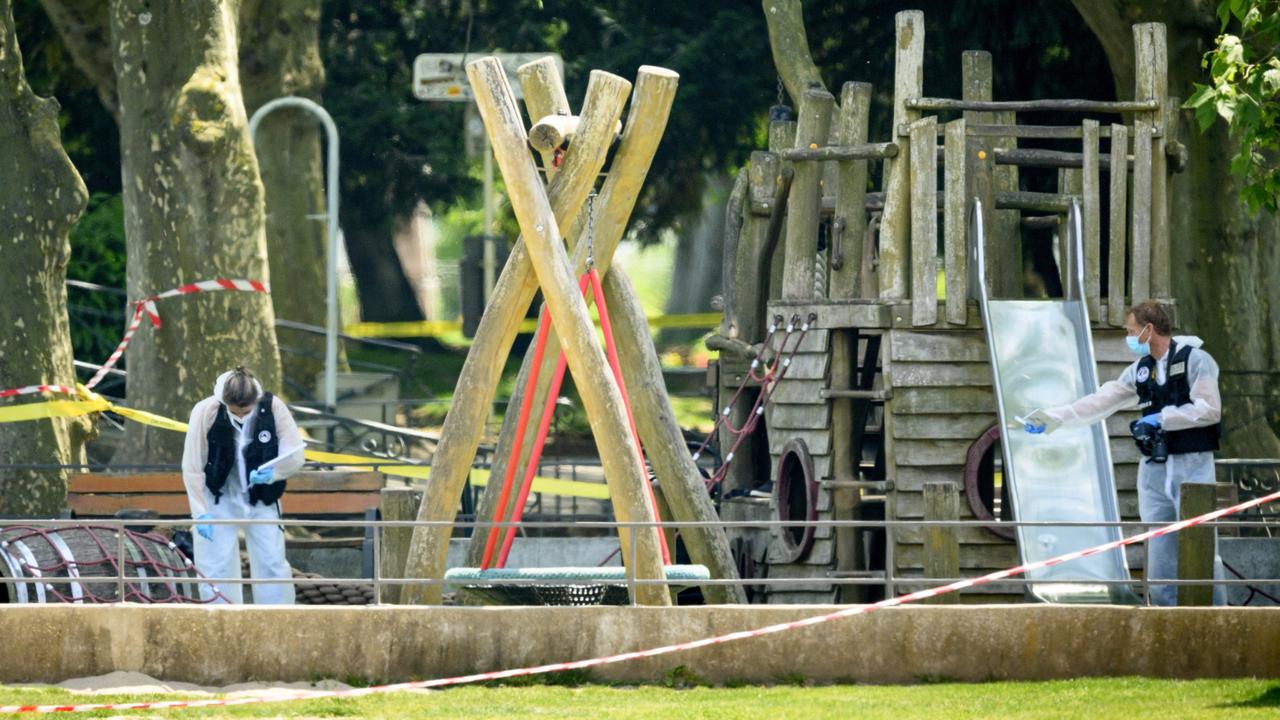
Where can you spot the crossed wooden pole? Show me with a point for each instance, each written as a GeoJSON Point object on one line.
{"type": "Point", "coordinates": [540, 260]}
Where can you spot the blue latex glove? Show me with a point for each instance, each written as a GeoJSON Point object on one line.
{"type": "Point", "coordinates": [205, 531]}
{"type": "Point", "coordinates": [1153, 420]}
{"type": "Point", "coordinates": [262, 477]}
{"type": "Point", "coordinates": [1038, 422]}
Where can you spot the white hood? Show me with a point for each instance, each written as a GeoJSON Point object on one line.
{"type": "Point", "coordinates": [221, 382]}
{"type": "Point", "coordinates": [1191, 340]}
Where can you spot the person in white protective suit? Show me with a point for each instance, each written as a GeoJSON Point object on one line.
{"type": "Point", "coordinates": [1174, 383]}
{"type": "Point", "coordinates": [230, 435]}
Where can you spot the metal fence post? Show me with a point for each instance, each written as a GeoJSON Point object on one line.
{"type": "Point", "coordinates": [377, 563]}
{"type": "Point", "coordinates": [120, 562]}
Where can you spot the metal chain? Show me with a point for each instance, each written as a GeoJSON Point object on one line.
{"type": "Point", "coordinates": [782, 98]}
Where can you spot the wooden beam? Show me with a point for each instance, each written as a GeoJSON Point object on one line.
{"type": "Point", "coordinates": [1092, 220]}
{"type": "Point", "coordinates": [895, 223]}
{"type": "Point", "coordinates": [813, 127]}
{"type": "Point", "coordinates": [651, 105]}
{"type": "Point", "coordinates": [924, 222]}
{"type": "Point", "coordinates": [396, 504]}
{"type": "Point", "coordinates": [843, 150]}
{"type": "Point", "coordinates": [1196, 546]}
{"type": "Point", "coordinates": [1140, 239]}
{"type": "Point", "coordinates": [1059, 105]}
{"type": "Point", "coordinates": [682, 484]}
{"type": "Point", "coordinates": [1151, 83]}
{"type": "Point", "coordinates": [941, 548]}
{"type": "Point", "coordinates": [601, 397]}
{"type": "Point", "coordinates": [955, 225]}
{"type": "Point", "coordinates": [1004, 230]}
{"type": "Point", "coordinates": [543, 96]}
{"type": "Point", "coordinates": [1070, 184]}
{"type": "Point", "coordinates": [1116, 239]}
{"type": "Point", "coordinates": [850, 223]}
{"type": "Point", "coordinates": [980, 161]}
{"type": "Point", "coordinates": [478, 379]}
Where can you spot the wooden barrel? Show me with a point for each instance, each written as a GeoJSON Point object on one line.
{"type": "Point", "coordinates": [85, 556]}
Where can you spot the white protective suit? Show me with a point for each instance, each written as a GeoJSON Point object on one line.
{"type": "Point", "coordinates": [1160, 485]}
{"type": "Point", "coordinates": [220, 557]}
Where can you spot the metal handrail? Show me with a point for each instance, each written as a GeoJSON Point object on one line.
{"type": "Point", "coordinates": [378, 526]}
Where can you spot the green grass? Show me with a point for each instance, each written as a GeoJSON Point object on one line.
{"type": "Point", "coordinates": [1091, 698]}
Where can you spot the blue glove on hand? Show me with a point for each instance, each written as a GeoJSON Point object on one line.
{"type": "Point", "coordinates": [261, 477]}
{"type": "Point", "coordinates": [1038, 422]}
{"type": "Point", "coordinates": [205, 531]}
{"type": "Point", "coordinates": [1153, 420]}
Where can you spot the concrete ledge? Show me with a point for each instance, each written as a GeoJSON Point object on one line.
{"type": "Point", "coordinates": [386, 644]}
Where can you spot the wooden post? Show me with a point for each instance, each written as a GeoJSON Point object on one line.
{"type": "Point", "coordinates": [683, 487]}
{"type": "Point", "coordinates": [543, 95]}
{"type": "Point", "coordinates": [924, 221]}
{"type": "Point", "coordinates": [1140, 249]}
{"type": "Point", "coordinates": [1005, 230]}
{"type": "Point", "coordinates": [1151, 75]}
{"type": "Point", "coordinates": [396, 504]}
{"type": "Point", "coordinates": [1116, 306]}
{"type": "Point", "coordinates": [1091, 206]}
{"type": "Point", "coordinates": [941, 547]}
{"type": "Point", "coordinates": [623, 469]}
{"type": "Point", "coordinates": [744, 320]}
{"type": "Point", "coordinates": [782, 136]}
{"type": "Point", "coordinates": [1196, 544]}
{"type": "Point", "coordinates": [806, 197]}
{"type": "Point", "coordinates": [895, 223]}
{"type": "Point", "coordinates": [851, 128]}
{"type": "Point", "coordinates": [955, 225]}
{"type": "Point", "coordinates": [478, 379]}
{"type": "Point", "coordinates": [1070, 182]}
{"type": "Point", "coordinates": [980, 161]}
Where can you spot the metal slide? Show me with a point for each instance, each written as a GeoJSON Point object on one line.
{"type": "Point", "coordinates": [1042, 356]}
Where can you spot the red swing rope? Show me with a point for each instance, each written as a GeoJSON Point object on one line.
{"type": "Point", "coordinates": [591, 278]}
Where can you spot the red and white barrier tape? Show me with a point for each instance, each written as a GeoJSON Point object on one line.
{"type": "Point", "coordinates": [665, 649]}
{"type": "Point", "coordinates": [147, 306]}
{"type": "Point", "coordinates": [33, 389]}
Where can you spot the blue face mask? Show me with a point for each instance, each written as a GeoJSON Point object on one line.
{"type": "Point", "coordinates": [1141, 349]}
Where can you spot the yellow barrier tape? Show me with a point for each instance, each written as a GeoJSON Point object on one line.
{"type": "Point", "coordinates": [96, 403]}
{"type": "Point", "coordinates": [432, 328]}
{"type": "Point", "coordinates": [147, 418]}
{"type": "Point", "coordinates": [52, 409]}
{"type": "Point", "coordinates": [479, 476]}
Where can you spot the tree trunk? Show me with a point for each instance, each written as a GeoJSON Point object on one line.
{"type": "Point", "coordinates": [43, 197]}
{"type": "Point", "coordinates": [699, 258]}
{"type": "Point", "coordinates": [1224, 260]}
{"type": "Point", "coordinates": [193, 209]}
{"type": "Point", "coordinates": [384, 291]}
{"type": "Point", "coordinates": [279, 56]}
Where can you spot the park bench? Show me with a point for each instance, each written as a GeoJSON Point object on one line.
{"type": "Point", "coordinates": [311, 494]}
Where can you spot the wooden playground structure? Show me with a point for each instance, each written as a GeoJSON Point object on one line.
{"type": "Point", "coordinates": [887, 410]}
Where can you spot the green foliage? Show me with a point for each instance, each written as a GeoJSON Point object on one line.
{"type": "Point", "coordinates": [681, 677]}
{"type": "Point", "coordinates": [1244, 91]}
{"type": "Point", "coordinates": [97, 256]}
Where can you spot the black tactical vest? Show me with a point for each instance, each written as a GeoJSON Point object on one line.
{"type": "Point", "coordinates": [1153, 397]}
{"type": "Point", "coordinates": [263, 446]}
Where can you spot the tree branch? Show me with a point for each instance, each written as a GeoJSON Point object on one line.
{"type": "Point", "coordinates": [85, 28]}
{"type": "Point", "coordinates": [790, 47]}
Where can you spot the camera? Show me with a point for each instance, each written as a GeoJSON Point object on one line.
{"type": "Point", "coordinates": [1152, 441]}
